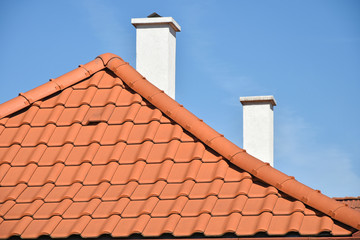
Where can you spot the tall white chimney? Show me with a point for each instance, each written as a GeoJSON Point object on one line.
{"type": "Point", "coordinates": [258, 127]}
{"type": "Point", "coordinates": [156, 50]}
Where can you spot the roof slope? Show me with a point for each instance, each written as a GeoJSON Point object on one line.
{"type": "Point", "coordinates": [100, 150]}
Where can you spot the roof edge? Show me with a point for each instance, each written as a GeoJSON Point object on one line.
{"type": "Point", "coordinates": [51, 87]}
{"type": "Point", "coordinates": [346, 198]}
{"type": "Point", "coordinates": [229, 150]}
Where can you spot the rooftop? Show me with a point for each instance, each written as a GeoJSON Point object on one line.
{"type": "Point", "coordinates": [100, 150]}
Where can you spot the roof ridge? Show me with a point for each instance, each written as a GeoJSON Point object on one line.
{"type": "Point", "coordinates": [226, 148]}
{"type": "Point", "coordinates": [194, 125]}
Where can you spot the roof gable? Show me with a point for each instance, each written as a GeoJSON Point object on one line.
{"type": "Point", "coordinates": [100, 150]}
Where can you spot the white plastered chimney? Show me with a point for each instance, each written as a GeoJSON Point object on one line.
{"type": "Point", "coordinates": [258, 127]}
{"type": "Point", "coordinates": [156, 50]}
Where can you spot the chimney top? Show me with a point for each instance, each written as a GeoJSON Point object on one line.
{"type": "Point", "coordinates": [156, 50]}
{"type": "Point", "coordinates": [258, 99]}
{"type": "Point", "coordinates": [154, 14]}
{"type": "Point", "coordinates": [154, 20]}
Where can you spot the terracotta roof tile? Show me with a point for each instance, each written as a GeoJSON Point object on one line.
{"type": "Point", "coordinates": [24, 156]}
{"type": "Point", "coordinates": [155, 227]}
{"type": "Point", "coordinates": [190, 225]}
{"type": "Point", "coordinates": [128, 172]}
{"type": "Point", "coordinates": [102, 151]}
{"type": "Point", "coordinates": [128, 97]}
{"type": "Point", "coordinates": [256, 206]}
{"type": "Point", "coordinates": [56, 99]}
{"type": "Point", "coordinates": [105, 154]}
{"type": "Point", "coordinates": [115, 192]}
{"type": "Point", "coordinates": [7, 136]}
{"type": "Point", "coordinates": [24, 117]}
{"type": "Point", "coordinates": [119, 207]}
{"type": "Point", "coordinates": [283, 207]}
{"type": "Point", "coordinates": [34, 229]}
{"type": "Point", "coordinates": [5, 193]}
{"type": "Point", "coordinates": [6, 228]}
{"type": "Point", "coordinates": [203, 190]}
{"type": "Point", "coordinates": [12, 176]}
{"type": "Point", "coordinates": [128, 226]}
{"type": "Point", "coordinates": [226, 206]}
{"type": "Point", "coordinates": [172, 191]}
{"type": "Point", "coordinates": [353, 202]}
{"type": "Point", "coordinates": [96, 227]}
{"type": "Point", "coordinates": [144, 191]}
{"type": "Point", "coordinates": [165, 208]}
{"type": "Point", "coordinates": [7, 154]}
{"type": "Point", "coordinates": [147, 114]}
{"type": "Point", "coordinates": [63, 135]}
{"type": "Point", "coordinates": [189, 151]}
{"type": "Point", "coordinates": [249, 225]}
{"type": "Point", "coordinates": [29, 194]}
{"type": "Point", "coordinates": [88, 192]}
{"type": "Point", "coordinates": [68, 227]}
{"type": "Point", "coordinates": [46, 210]}
{"type": "Point", "coordinates": [17, 211]}
{"type": "Point", "coordinates": [78, 209]}
{"type": "Point", "coordinates": [4, 208]}
{"type": "Point", "coordinates": [116, 133]}
{"type": "Point", "coordinates": [218, 225]}
{"type": "Point", "coordinates": [43, 116]}
{"type": "Point", "coordinates": [195, 207]}
{"type": "Point", "coordinates": [4, 169]}
{"type": "Point", "coordinates": [106, 209]}
{"type": "Point", "coordinates": [233, 189]}
{"type": "Point", "coordinates": [137, 208]}
{"type": "Point", "coordinates": [57, 194]}
{"type": "Point", "coordinates": [68, 175]}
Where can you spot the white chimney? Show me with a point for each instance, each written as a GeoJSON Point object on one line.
{"type": "Point", "coordinates": [258, 127]}
{"type": "Point", "coordinates": [156, 50]}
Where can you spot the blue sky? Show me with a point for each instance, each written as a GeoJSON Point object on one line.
{"type": "Point", "coordinates": [305, 53]}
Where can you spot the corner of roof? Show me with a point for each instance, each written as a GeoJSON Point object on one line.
{"type": "Point", "coordinates": [106, 57]}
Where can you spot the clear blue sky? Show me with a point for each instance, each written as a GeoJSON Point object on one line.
{"type": "Point", "coordinates": [305, 53]}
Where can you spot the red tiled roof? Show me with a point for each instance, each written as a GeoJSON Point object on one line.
{"type": "Point", "coordinates": [353, 202]}
{"type": "Point", "coordinates": [100, 150]}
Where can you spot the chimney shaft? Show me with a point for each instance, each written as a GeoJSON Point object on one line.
{"type": "Point", "coordinates": [258, 127]}
{"type": "Point", "coordinates": [156, 50]}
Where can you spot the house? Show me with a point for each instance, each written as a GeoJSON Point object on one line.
{"type": "Point", "coordinates": [101, 151]}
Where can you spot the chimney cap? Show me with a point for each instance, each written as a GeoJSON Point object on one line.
{"type": "Point", "coordinates": [156, 21]}
{"type": "Point", "coordinates": [154, 14]}
{"type": "Point", "coordinates": [258, 99]}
